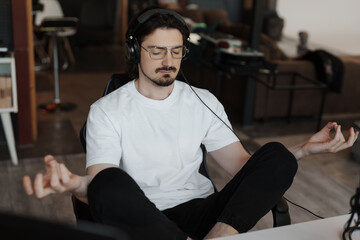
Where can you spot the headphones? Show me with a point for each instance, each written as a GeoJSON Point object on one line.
{"type": "Point", "coordinates": [132, 47]}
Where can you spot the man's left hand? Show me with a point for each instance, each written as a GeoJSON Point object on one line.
{"type": "Point", "coordinates": [322, 142]}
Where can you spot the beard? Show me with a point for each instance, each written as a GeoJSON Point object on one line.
{"type": "Point", "coordinates": [163, 81]}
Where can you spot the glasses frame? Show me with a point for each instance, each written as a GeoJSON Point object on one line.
{"type": "Point", "coordinates": [184, 51]}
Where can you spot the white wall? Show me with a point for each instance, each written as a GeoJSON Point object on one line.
{"type": "Point", "coordinates": [334, 24]}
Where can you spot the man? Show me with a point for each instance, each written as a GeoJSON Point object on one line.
{"type": "Point", "coordinates": [143, 150]}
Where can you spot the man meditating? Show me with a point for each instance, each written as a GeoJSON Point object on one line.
{"type": "Point", "coordinates": [143, 150]}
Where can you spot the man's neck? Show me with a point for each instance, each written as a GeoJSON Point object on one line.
{"type": "Point", "coordinates": [151, 90]}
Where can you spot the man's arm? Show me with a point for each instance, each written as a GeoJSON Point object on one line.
{"type": "Point", "coordinates": [233, 157]}
{"type": "Point", "coordinates": [59, 179]}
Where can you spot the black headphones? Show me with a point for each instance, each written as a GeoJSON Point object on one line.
{"type": "Point", "coordinates": [132, 47]}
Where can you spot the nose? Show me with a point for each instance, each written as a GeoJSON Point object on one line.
{"type": "Point", "coordinates": [168, 59]}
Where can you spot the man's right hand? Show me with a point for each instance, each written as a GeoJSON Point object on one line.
{"type": "Point", "coordinates": [57, 179]}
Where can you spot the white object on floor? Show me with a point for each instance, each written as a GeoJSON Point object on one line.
{"type": "Point", "coordinates": [329, 229]}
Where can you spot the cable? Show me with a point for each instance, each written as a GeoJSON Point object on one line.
{"type": "Point", "coordinates": [299, 206]}
{"type": "Point", "coordinates": [207, 105]}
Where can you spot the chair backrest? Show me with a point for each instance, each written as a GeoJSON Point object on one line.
{"type": "Point", "coordinates": [52, 8]}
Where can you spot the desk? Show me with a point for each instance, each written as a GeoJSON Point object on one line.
{"type": "Point", "coordinates": [250, 63]}
{"type": "Point", "coordinates": [324, 229]}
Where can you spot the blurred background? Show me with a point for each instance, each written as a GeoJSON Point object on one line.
{"type": "Point", "coordinates": [64, 52]}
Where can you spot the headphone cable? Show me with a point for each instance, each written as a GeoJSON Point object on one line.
{"type": "Point", "coordinates": [299, 206]}
{"type": "Point", "coordinates": [208, 106]}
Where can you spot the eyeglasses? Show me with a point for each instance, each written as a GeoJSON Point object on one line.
{"type": "Point", "coordinates": [157, 53]}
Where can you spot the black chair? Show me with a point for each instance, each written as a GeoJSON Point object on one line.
{"type": "Point", "coordinates": [27, 228]}
{"type": "Point", "coordinates": [280, 211]}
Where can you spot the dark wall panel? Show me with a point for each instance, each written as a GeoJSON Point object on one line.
{"type": "Point", "coordinates": [6, 35]}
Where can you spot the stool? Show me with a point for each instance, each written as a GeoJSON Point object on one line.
{"type": "Point", "coordinates": [8, 101]}
{"type": "Point", "coordinates": [58, 27]}
{"type": "Point", "coordinates": [50, 9]}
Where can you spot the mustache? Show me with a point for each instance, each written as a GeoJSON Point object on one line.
{"type": "Point", "coordinates": [165, 69]}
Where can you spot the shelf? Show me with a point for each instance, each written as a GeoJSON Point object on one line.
{"type": "Point", "coordinates": [7, 69]}
{"type": "Point", "coordinates": [8, 87]}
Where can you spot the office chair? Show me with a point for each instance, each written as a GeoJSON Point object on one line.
{"type": "Point", "coordinates": [280, 211]}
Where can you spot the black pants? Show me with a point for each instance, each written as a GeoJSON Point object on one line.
{"type": "Point", "coordinates": [115, 199]}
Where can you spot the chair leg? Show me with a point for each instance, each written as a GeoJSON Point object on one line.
{"type": "Point", "coordinates": [280, 212]}
{"type": "Point", "coordinates": [69, 51]}
{"type": "Point", "coordinates": [51, 48]}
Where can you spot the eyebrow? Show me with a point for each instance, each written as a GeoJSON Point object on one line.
{"type": "Point", "coordinates": [163, 47]}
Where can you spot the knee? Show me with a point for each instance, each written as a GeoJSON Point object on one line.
{"type": "Point", "coordinates": [106, 183]}
{"type": "Point", "coordinates": [283, 160]}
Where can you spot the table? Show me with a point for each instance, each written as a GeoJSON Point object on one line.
{"type": "Point", "coordinates": [324, 229]}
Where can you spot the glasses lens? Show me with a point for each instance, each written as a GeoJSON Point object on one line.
{"type": "Point", "coordinates": [157, 53]}
{"type": "Point", "coordinates": [177, 52]}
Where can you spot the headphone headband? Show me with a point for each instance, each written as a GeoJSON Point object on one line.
{"type": "Point", "coordinates": [148, 14]}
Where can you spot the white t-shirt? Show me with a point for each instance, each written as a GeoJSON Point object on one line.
{"type": "Point", "coordinates": [157, 142]}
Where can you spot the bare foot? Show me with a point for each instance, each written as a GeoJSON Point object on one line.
{"type": "Point", "coordinates": [221, 230]}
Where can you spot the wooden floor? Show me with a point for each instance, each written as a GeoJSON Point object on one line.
{"type": "Point", "coordinates": [323, 184]}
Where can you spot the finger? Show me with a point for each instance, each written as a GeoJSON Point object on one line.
{"type": "Point", "coordinates": [41, 190]}
{"type": "Point", "coordinates": [329, 126]}
{"type": "Point", "coordinates": [351, 140]}
{"type": "Point", "coordinates": [337, 141]}
{"type": "Point", "coordinates": [49, 161]}
{"type": "Point", "coordinates": [48, 158]}
{"type": "Point", "coordinates": [346, 144]}
{"type": "Point", "coordinates": [38, 186]}
{"type": "Point", "coordinates": [28, 187]}
{"type": "Point", "coordinates": [55, 178]}
{"type": "Point", "coordinates": [339, 134]}
{"type": "Point", "coordinates": [352, 136]}
{"type": "Point", "coordinates": [65, 173]}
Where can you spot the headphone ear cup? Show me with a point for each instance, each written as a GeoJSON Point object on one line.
{"type": "Point", "coordinates": [137, 51]}
{"type": "Point", "coordinates": [132, 51]}
{"type": "Point", "coordinates": [129, 51]}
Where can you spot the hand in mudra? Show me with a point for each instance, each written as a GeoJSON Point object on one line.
{"type": "Point", "coordinates": [322, 142]}
{"type": "Point", "coordinates": [57, 179]}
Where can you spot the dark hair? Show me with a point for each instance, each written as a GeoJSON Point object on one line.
{"type": "Point", "coordinates": [158, 20]}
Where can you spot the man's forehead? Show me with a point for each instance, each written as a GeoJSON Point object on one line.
{"type": "Point", "coordinates": [164, 37]}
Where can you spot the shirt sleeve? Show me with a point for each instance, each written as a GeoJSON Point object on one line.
{"type": "Point", "coordinates": [219, 133]}
{"type": "Point", "coordinates": [102, 139]}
